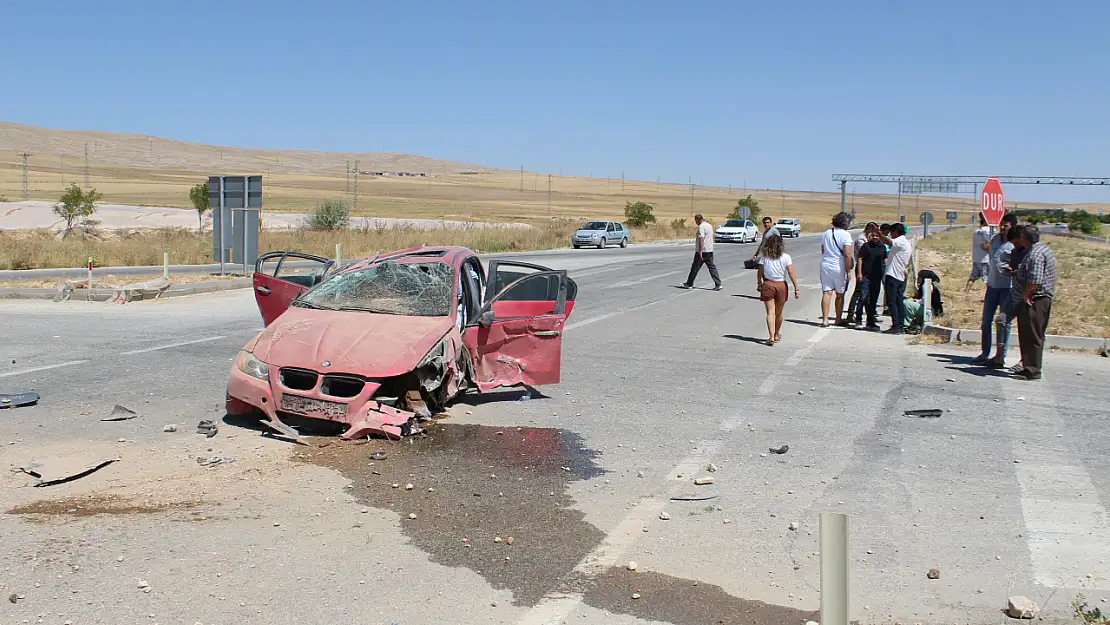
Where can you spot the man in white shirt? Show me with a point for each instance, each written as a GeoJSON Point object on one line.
{"type": "Point", "coordinates": [703, 255]}
{"type": "Point", "coordinates": [836, 263]}
{"type": "Point", "coordinates": [980, 253]}
{"type": "Point", "coordinates": [894, 283]}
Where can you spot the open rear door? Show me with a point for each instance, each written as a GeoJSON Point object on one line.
{"type": "Point", "coordinates": [281, 277]}
{"type": "Point", "coordinates": [518, 337]}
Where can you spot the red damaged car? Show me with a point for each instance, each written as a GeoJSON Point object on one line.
{"type": "Point", "coordinates": [379, 345]}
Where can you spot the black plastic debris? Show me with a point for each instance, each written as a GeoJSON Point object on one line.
{"type": "Point", "coordinates": [61, 470]}
{"type": "Point", "coordinates": [120, 413]}
{"type": "Point", "coordinates": [18, 400]}
{"type": "Point", "coordinates": [928, 413]}
{"type": "Point", "coordinates": [379, 455]}
{"type": "Point", "coordinates": [208, 428]}
{"type": "Point", "coordinates": [779, 450]}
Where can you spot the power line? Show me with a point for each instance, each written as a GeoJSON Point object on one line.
{"type": "Point", "coordinates": [26, 192]}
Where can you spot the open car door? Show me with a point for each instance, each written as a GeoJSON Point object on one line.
{"type": "Point", "coordinates": [281, 277]}
{"type": "Point", "coordinates": [518, 336]}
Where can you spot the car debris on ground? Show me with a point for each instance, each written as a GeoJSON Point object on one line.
{"type": "Point", "coordinates": [212, 461]}
{"type": "Point", "coordinates": [927, 413]}
{"type": "Point", "coordinates": [51, 471]}
{"type": "Point", "coordinates": [18, 400]}
{"type": "Point", "coordinates": [120, 413]}
{"type": "Point", "coordinates": [779, 450]}
{"type": "Point", "coordinates": [208, 428]}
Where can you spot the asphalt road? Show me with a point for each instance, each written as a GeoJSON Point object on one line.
{"type": "Point", "coordinates": [1006, 493]}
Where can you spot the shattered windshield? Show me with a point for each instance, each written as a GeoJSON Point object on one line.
{"type": "Point", "coordinates": [417, 289]}
{"type": "Point", "coordinates": [595, 225]}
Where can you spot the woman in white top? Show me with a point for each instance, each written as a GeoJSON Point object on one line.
{"type": "Point", "coordinates": [774, 267]}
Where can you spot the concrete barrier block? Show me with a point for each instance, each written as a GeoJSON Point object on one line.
{"type": "Point", "coordinates": [947, 334]}
{"type": "Point", "coordinates": [970, 336]}
{"type": "Point", "coordinates": [1085, 343]}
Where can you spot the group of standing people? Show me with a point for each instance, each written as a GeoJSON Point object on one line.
{"type": "Point", "coordinates": [879, 259]}
{"type": "Point", "coordinates": [1020, 272]}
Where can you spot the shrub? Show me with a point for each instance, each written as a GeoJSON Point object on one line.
{"type": "Point", "coordinates": [638, 214]}
{"type": "Point", "coordinates": [329, 215]}
{"type": "Point", "coordinates": [749, 202]}
{"type": "Point", "coordinates": [678, 225]}
{"type": "Point", "coordinates": [1085, 222]}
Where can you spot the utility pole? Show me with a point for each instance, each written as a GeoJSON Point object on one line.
{"type": "Point", "coordinates": [86, 164]}
{"type": "Point", "coordinates": [347, 187]}
{"type": "Point", "coordinates": [691, 179]}
{"type": "Point", "coordinates": [356, 186]}
{"type": "Point", "coordinates": [548, 195]}
{"type": "Point", "coordinates": [26, 192]}
{"type": "Point", "coordinates": [522, 178]}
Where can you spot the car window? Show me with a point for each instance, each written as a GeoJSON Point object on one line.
{"type": "Point", "coordinates": [788, 222]}
{"type": "Point", "coordinates": [748, 224]}
{"type": "Point", "coordinates": [416, 289]}
{"type": "Point", "coordinates": [594, 225]}
{"type": "Point", "coordinates": [733, 223]}
{"type": "Point", "coordinates": [611, 228]}
{"type": "Point", "coordinates": [618, 227]}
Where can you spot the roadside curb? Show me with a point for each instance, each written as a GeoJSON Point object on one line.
{"type": "Point", "coordinates": [1078, 343]}
{"type": "Point", "coordinates": [103, 295]}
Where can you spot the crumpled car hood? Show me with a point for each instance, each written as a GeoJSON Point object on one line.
{"type": "Point", "coordinates": [360, 343]}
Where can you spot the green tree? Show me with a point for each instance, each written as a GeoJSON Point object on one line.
{"type": "Point", "coordinates": [76, 206]}
{"type": "Point", "coordinates": [329, 215]}
{"type": "Point", "coordinates": [198, 195]}
{"type": "Point", "coordinates": [1084, 222]}
{"type": "Point", "coordinates": [749, 202]}
{"type": "Point", "coordinates": [638, 214]}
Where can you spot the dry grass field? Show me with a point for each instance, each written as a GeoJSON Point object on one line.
{"type": "Point", "coordinates": [1082, 302]}
{"type": "Point", "coordinates": [149, 171]}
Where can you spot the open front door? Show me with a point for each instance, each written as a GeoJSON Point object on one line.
{"type": "Point", "coordinates": [281, 277]}
{"type": "Point", "coordinates": [518, 337]}
{"type": "Point", "coordinates": [531, 298]}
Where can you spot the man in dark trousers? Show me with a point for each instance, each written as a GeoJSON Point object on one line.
{"type": "Point", "coordinates": [1032, 292]}
{"type": "Point", "coordinates": [894, 284]}
{"type": "Point", "coordinates": [870, 267]}
{"type": "Point", "coordinates": [703, 255]}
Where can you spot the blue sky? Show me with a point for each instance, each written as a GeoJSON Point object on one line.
{"type": "Point", "coordinates": [772, 93]}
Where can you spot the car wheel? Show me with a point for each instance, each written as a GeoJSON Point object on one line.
{"type": "Point", "coordinates": [577, 247]}
{"type": "Point", "coordinates": [601, 244]}
{"type": "Point", "coordinates": [624, 242]}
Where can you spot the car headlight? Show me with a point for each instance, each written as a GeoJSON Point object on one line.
{"type": "Point", "coordinates": [248, 364]}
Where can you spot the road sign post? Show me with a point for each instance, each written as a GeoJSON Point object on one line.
{"type": "Point", "coordinates": [992, 202]}
{"type": "Point", "coordinates": [926, 219]}
{"type": "Point", "coordinates": [951, 216]}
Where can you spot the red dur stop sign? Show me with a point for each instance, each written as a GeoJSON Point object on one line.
{"type": "Point", "coordinates": [993, 204]}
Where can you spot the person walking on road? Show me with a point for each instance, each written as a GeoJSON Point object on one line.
{"type": "Point", "coordinates": [836, 263]}
{"type": "Point", "coordinates": [769, 229]}
{"type": "Point", "coordinates": [870, 268]}
{"type": "Point", "coordinates": [997, 300]}
{"type": "Point", "coordinates": [703, 255]}
{"type": "Point", "coordinates": [1033, 289]}
{"type": "Point", "coordinates": [775, 266]}
{"type": "Point", "coordinates": [856, 305]}
{"type": "Point", "coordinates": [894, 280]}
{"type": "Point", "coordinates": [980, 253]}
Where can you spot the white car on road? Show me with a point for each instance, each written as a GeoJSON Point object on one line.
{"type": "Point", "coordinates": [789, 226]}
{"type": "Point", "coordinates": [736, 231]}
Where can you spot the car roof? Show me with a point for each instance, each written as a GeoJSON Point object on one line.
{"type": "Point", "coordinates": [449, 254]}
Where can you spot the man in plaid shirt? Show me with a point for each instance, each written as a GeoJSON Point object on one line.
{"type": "Point", "coordinates": [1034, 287]}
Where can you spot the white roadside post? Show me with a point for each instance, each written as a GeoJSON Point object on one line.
{"type": "Point", "coordinates": [338, 254]}
{"type": "Point", "coordinates": [834, 569]}
{"type": "Point", "coordinates": [166, 265]}
{"type": "Point", "coordinates": [88, 292]}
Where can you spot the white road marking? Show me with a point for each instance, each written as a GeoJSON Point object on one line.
{"type": "Point", "coordinates": [171, 346]}
{"type": "Point", "coordinates": [70, 363]}
{"type": "Point", "coordinates": [771, 381]}
{"type": "Point", "coordinates": [554, 608]}
{"type": "Point", "coordinates": [593, 272]}
{"type": "Point", "coordinates": [813, 340]}
{"type": "Point", "coordinates": [643, 280]}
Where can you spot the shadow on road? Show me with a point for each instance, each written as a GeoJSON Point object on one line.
{"type": "Point", "coordinates": [749, 339]}
{"type": "Point", "coordinates": [805, 322]}
{"type": "Point", "coordinates": [755, 297]}
{"type": "Point", "coordinates": [497, 397]}
{"type": "Point", "coordinates": [964, 364]}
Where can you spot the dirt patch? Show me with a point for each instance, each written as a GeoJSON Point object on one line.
{"type": "Point", "coordinates": [488, 483]}
{"type": "Point", "coordinates": [44, 510]}
{"type": "Point", "coordinates": [672, 600]}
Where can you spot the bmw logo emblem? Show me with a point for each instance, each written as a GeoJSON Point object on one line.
{"type": "Point", "coordinates": [326, 363]}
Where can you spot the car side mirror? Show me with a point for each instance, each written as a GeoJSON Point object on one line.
{"type": "Point", "coordinates": [486, 318]}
